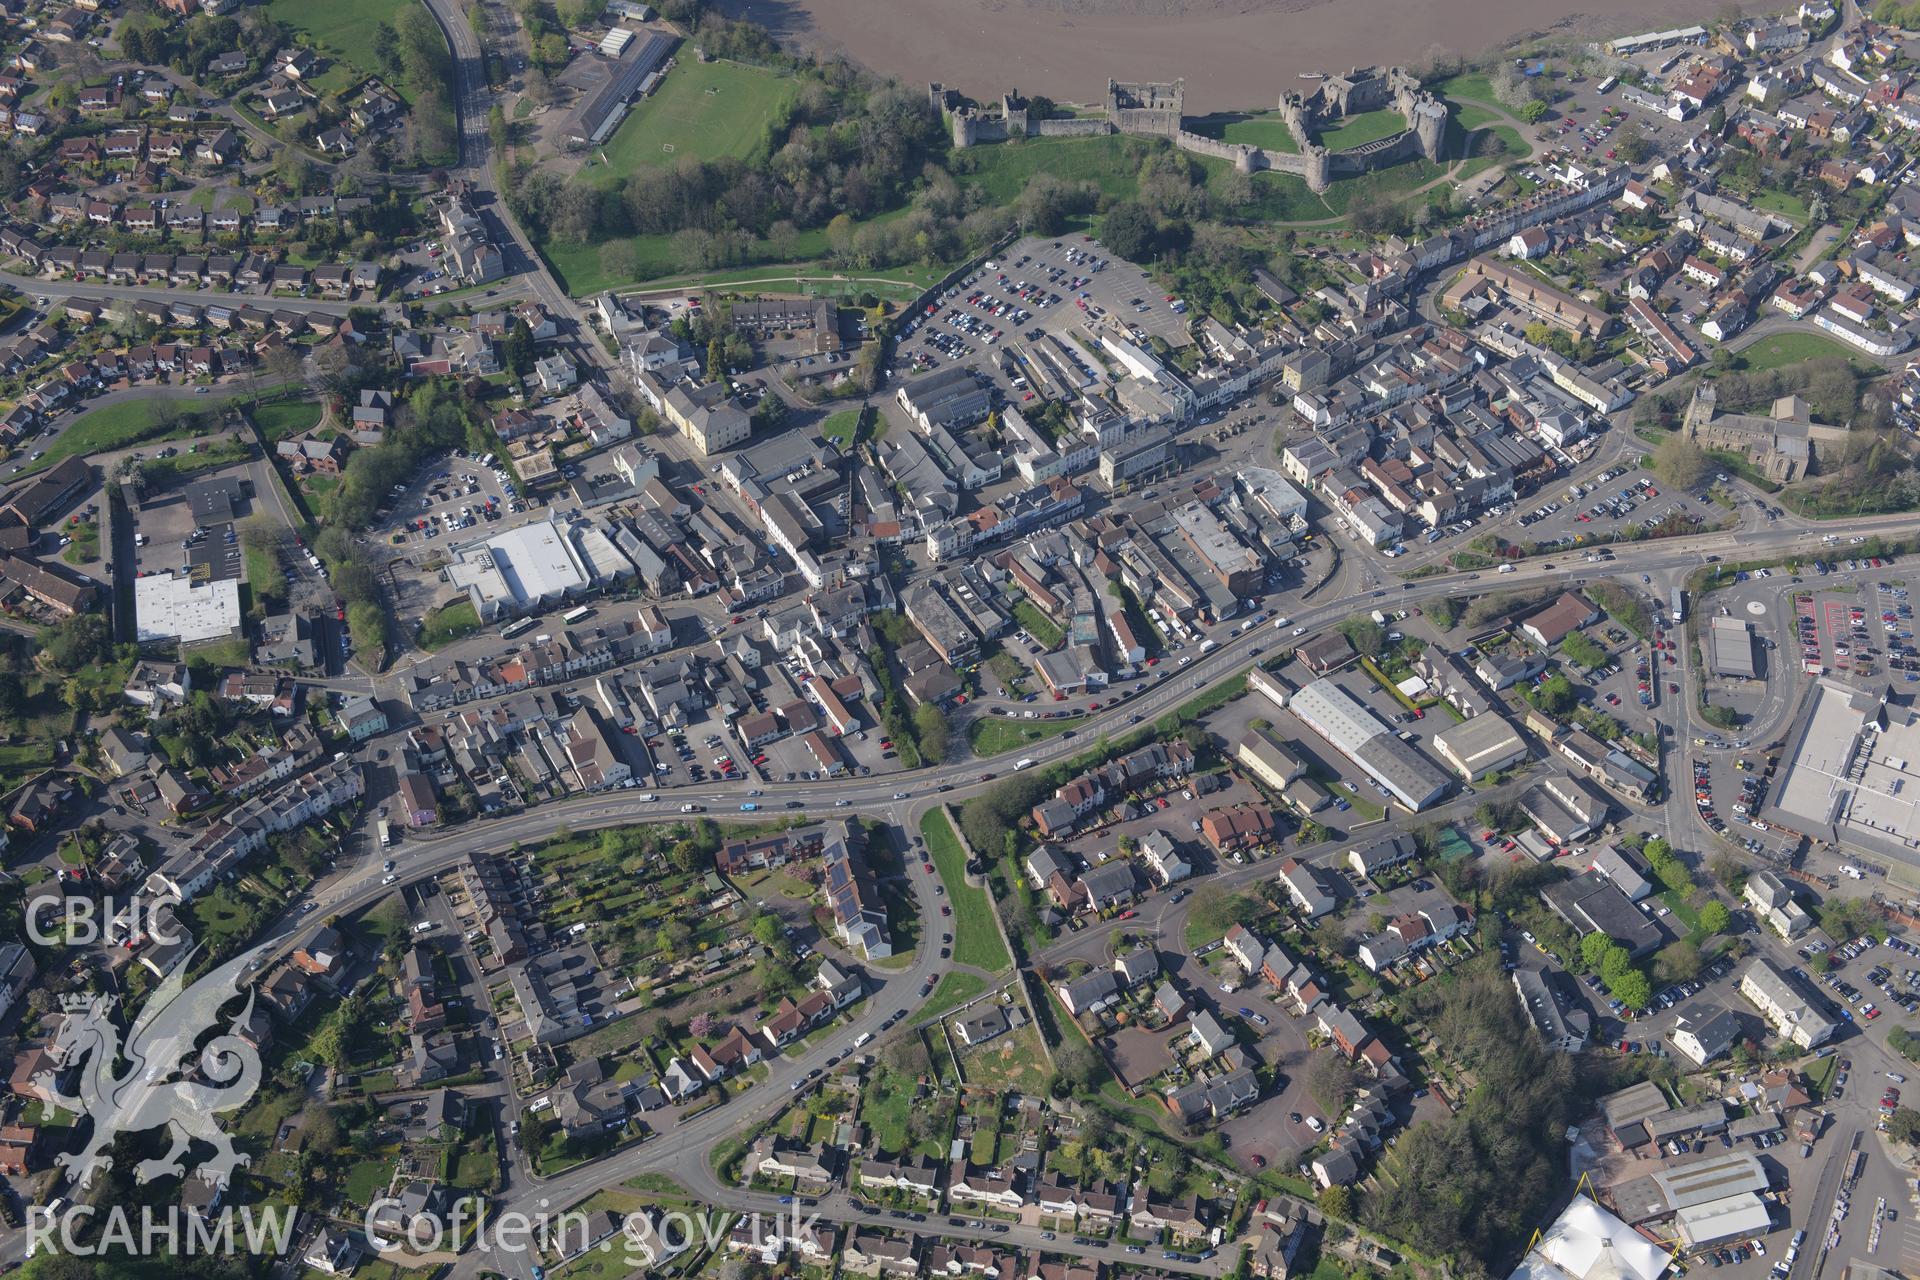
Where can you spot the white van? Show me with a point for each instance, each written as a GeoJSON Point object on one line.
{"type": "Point", "coordinates": [863, 1038]}
{"type": "Point", "coordinates": [648, 798]}
{"type": "Point", "coordinates": [1024, 762]}
{"type": "Point", "coordinates": [1208, 646]}
{"type": "Point", "coordinates": [1281, 622]}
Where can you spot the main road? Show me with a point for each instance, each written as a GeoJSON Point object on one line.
{"type": "Point", "coordinates": [682, 1151]}
{"type": "Point", "coordinates": [473, 99]}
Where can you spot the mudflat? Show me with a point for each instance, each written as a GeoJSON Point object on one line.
{"type": "Point", "coordinates": [1234, 54]}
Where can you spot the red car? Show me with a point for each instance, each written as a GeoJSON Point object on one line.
{"type": "Point", "coordinates": [1128, 915]}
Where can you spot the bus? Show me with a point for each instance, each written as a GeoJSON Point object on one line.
{"type": "Point", "coordinates": [577, 616]}
{"type": "Point", "coordinates": [1679, 606]}
{"type": "Point", "coordinates": [1606, 86]}
{"type": "Point", "coordinates": [519, 628]}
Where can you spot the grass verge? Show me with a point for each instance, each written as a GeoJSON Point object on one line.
{"type": "Point", "coordinates": [976, 937]}
{"type": "Point", "coordinates": [992, 735]}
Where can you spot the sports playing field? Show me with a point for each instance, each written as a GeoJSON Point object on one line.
{"type": "Point", "coordinates": [703, 109]}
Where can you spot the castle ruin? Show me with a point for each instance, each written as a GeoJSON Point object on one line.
{"type": "Point", "coordinates": [1158, 110]}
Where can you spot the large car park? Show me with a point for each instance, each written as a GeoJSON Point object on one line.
{"type": "Point", "coordinates": [455, 494]}
{"type": "Point", "coordinates": [1042, 286]}
{"type": "Point", "coordinates": [1612, 506]}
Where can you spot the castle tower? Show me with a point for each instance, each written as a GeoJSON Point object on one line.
{"type": "Point", "coordinates": [1293, 113]}
{"type": "Point", "coordinates": [1318, 167]}
{"type": "Point", "coordinates": [1430, 126]}
{"type": "Point", "coordinates": [1013, 108]}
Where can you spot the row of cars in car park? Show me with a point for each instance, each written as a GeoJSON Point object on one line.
{"type": "Point", "coordinates": [1848, 999]}
{"type": "Point", "coordinates": [1622, 504]}
{"type": "Point", "coordinates": [1784, 1266]}
{"type": "Point", "coordinates": [1728, 1255]}
{"type": "Point", "coordinates": [1896, 621]}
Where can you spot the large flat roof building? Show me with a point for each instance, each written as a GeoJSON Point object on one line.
{"type": "Point", "coordinates": [1361, 737]}
{"type": "Point", "coordinates": [1485, 744]}
{"type": "Point", "coordinates": [519, 569]}
{"type": "Point", "coordinates": [1850, 771]}
{"type": "Point", "coordinates": [168, 606]}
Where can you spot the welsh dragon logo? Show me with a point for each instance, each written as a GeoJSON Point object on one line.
{"type": "Point", "coordinates": [160, 1052]}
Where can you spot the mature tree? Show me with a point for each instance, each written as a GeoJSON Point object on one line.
{"type": "Point", "coordinates": [671, 939]}
{"type": "Point", "coordinates": [767, 929]}
{"type": "Point", "coordinates": [1365, 635]}
{"type": "Point", "coordinates": [1715, 917]}
{"type": "Point", "coordinates": [1729, 871]}
{"type": "Point", "coordinates": [1532, 111]}
{"type": "Point", "coordinates": [1075, 1067]}
{"type": "Point", "coordinates": [1633, 988]}
{"type": "Point", "coordinates": [1336, 1201]}
{"type": "Point", "coordinates": [518, 351]}
{"type": "Point", "coordinates": [1633, 144]}
{"type": "Point", "coordinates": [1130, 231]}
{"type": "Point", "coordinates": [1679, 462]}
{"type": "Point", "coordinates": [1513, 89]}
{"type": "Point", "coordinates": [930, 730]}
{"type": "Point", "coordinates": [1677, 962]}
{"type": "Point", "coordinates": [1555, 695]}
{"type": "Point", "coordinates": [1331, 1081]}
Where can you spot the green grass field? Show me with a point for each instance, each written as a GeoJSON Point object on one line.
{"type": "Point", "coordinates": [839, 427]}
{"type": "Point", "coordinates": [955, 989]}
{"type": "Point", "coordinates": [1003, 170]}
{"type": "Point", "coordinates": [444, 625]}
{"type": "Point", "coordinates": [976, 939]}
{"type": "Point", "coordinates": [1263, 129]}
{"type": "Point", "coordinates": [116, 426]}
{"type": "Point", "coordinates": [287, 418]}
{"type": "Point", "coordinates": [1368, 126]}
{"type": "Point", "coordinates": [703, 110]}
{"type": "Point", "coordinates": [1791, 348]}
{"type": "Point", "coordinates": [991, 735]}
{"type": "Point", "coordinates": [583, 268]}
{"type": "Point", "coordinates": [342, 29]}
{"type": "Point", "coordinates": [1784, 203]}
{"type": "Point", "coordinates": [1472, 117]}
{"type": "Point", "coordinates": [1472, 87]}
